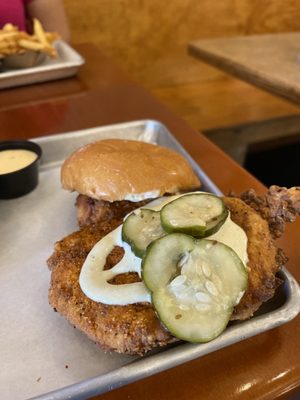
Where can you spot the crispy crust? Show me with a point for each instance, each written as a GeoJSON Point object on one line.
{"type": "Point", "coordinates": [90, 211]}
{"type": "Point", "coordinates": [278, 206]}
{"type": "Point", "coordinates": [132, 329]}
{"type": "Point", "coordinates": [135, 329]}
{"type": "Point", "coordinates": [265, 258]}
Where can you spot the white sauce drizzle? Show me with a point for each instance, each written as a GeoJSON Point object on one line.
{"type": "Point", "coordinates": [233, 236]}
{"type": "Point", "coordinates": [93, 279]}
{"type": "Point", "coordinates": [135, 197]}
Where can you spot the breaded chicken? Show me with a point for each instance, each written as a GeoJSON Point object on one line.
{"type": "Point", "coordinates": [265, 258]}
{"type": "Point", "coordinates": [131, 329]}
{"type": "Point", "coordinates": [90, 211]}
{"type": "Point", "coordinates": [263, 218]}
{"type": "Point", "coordinates": [135, 329]}
{"type": "Point", "coordinates": [278, 206]}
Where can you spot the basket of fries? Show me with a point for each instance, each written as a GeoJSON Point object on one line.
{"type": "Point", "coordinates": [19, 49]}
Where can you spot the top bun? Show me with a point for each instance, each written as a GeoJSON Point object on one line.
{"type": "Point", "coordinates": [116, 169]}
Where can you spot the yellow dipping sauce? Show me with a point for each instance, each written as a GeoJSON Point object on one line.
{"type": "Point", "coordinates": [14, 159]}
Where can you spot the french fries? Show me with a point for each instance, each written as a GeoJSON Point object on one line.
{"type": "Point", "coordinates": [14, 41]}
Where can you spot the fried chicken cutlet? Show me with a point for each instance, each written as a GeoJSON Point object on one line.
{"type": "Point", "coordinates": [90, 211]}
{"type": "Point", "coordinates": [265, 258]}
{"type": "Point", "coordinates": [266, 223]}
{"type": "Point", "coordinates": [132, 329]}
{"type": "Point", "coordinates": [135, 329]}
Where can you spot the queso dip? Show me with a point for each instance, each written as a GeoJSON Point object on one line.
{"type": "Point", "coordinates": [14, 159]}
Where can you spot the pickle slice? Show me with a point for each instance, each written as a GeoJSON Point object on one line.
{"type": "Point", "coordinates": [199, 214]}
{"type": "Point", "coordinates": [140, 228]}
{"type": "Point", "coordinates": [194, 284]}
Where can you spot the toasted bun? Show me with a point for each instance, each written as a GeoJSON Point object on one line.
{"type": "Point", "coordinates": [117, 169]}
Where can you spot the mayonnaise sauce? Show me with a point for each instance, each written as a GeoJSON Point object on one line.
{"type": "Point", "coordinates": [93, 279]}
{"type": "Point", "coordinates": [142, 196]}
{"type": "Point", "coordinates": [14, 159]}
{"type": "Point", "coordinates": [233, 236]}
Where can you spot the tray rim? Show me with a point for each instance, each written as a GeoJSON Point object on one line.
{"type": "Point", "coordinates": [75, 62]}
{"type": "Point", "coordinates": [128, 373]}
{"type": "Point", "coordinates": [183, 352]}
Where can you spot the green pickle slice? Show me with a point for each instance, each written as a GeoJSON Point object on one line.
{"type": "Point", "coordinates": [195, 283]}
{"type": "Point", "coordinates": [140, 228]}
{"type": "Point", "coordinates": [199, 214]}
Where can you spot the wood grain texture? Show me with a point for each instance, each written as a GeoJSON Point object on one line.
{"type": "Point", "coordinates": [270, 61]}
{"type": "Point", "coordinates": [223, 102]}
{"type": "Point", "coordinates": [149, 37]}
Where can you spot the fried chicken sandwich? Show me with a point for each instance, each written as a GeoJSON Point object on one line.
{"type": "Point", "coordinates": [115, 176]}
{"type": "Point", "coordinates": [177, 269]}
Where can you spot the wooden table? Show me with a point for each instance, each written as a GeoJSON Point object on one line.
{"type": "Point", "coordinates": [270, 61]}
{"type": "Point", "coordinates": [266, 366]}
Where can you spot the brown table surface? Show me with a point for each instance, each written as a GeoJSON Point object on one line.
{"type": "Point", "coordinates": [266, 366]}
{"type": "Point", "coordinates": [270, 61]}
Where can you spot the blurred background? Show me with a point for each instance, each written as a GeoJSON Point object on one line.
{"type": "Point", "coordinates": [149, 40]}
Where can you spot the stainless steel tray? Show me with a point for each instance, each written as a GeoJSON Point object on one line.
{"type": "Point", "coordinates": [66, 65]}
{"type": "Point", "coordinates": [41, 354]}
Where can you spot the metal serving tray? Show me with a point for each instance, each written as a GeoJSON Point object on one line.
{"type": "Point", "coordinates": [66, 65]}
{"type": "Point", "coordinates": [41, 354]}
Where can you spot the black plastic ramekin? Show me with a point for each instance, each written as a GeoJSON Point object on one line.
{"type": "Point", "coordinates": [20, 182]}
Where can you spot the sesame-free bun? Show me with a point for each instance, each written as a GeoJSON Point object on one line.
{"type": "Point", "coordinates": [116, 169]}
